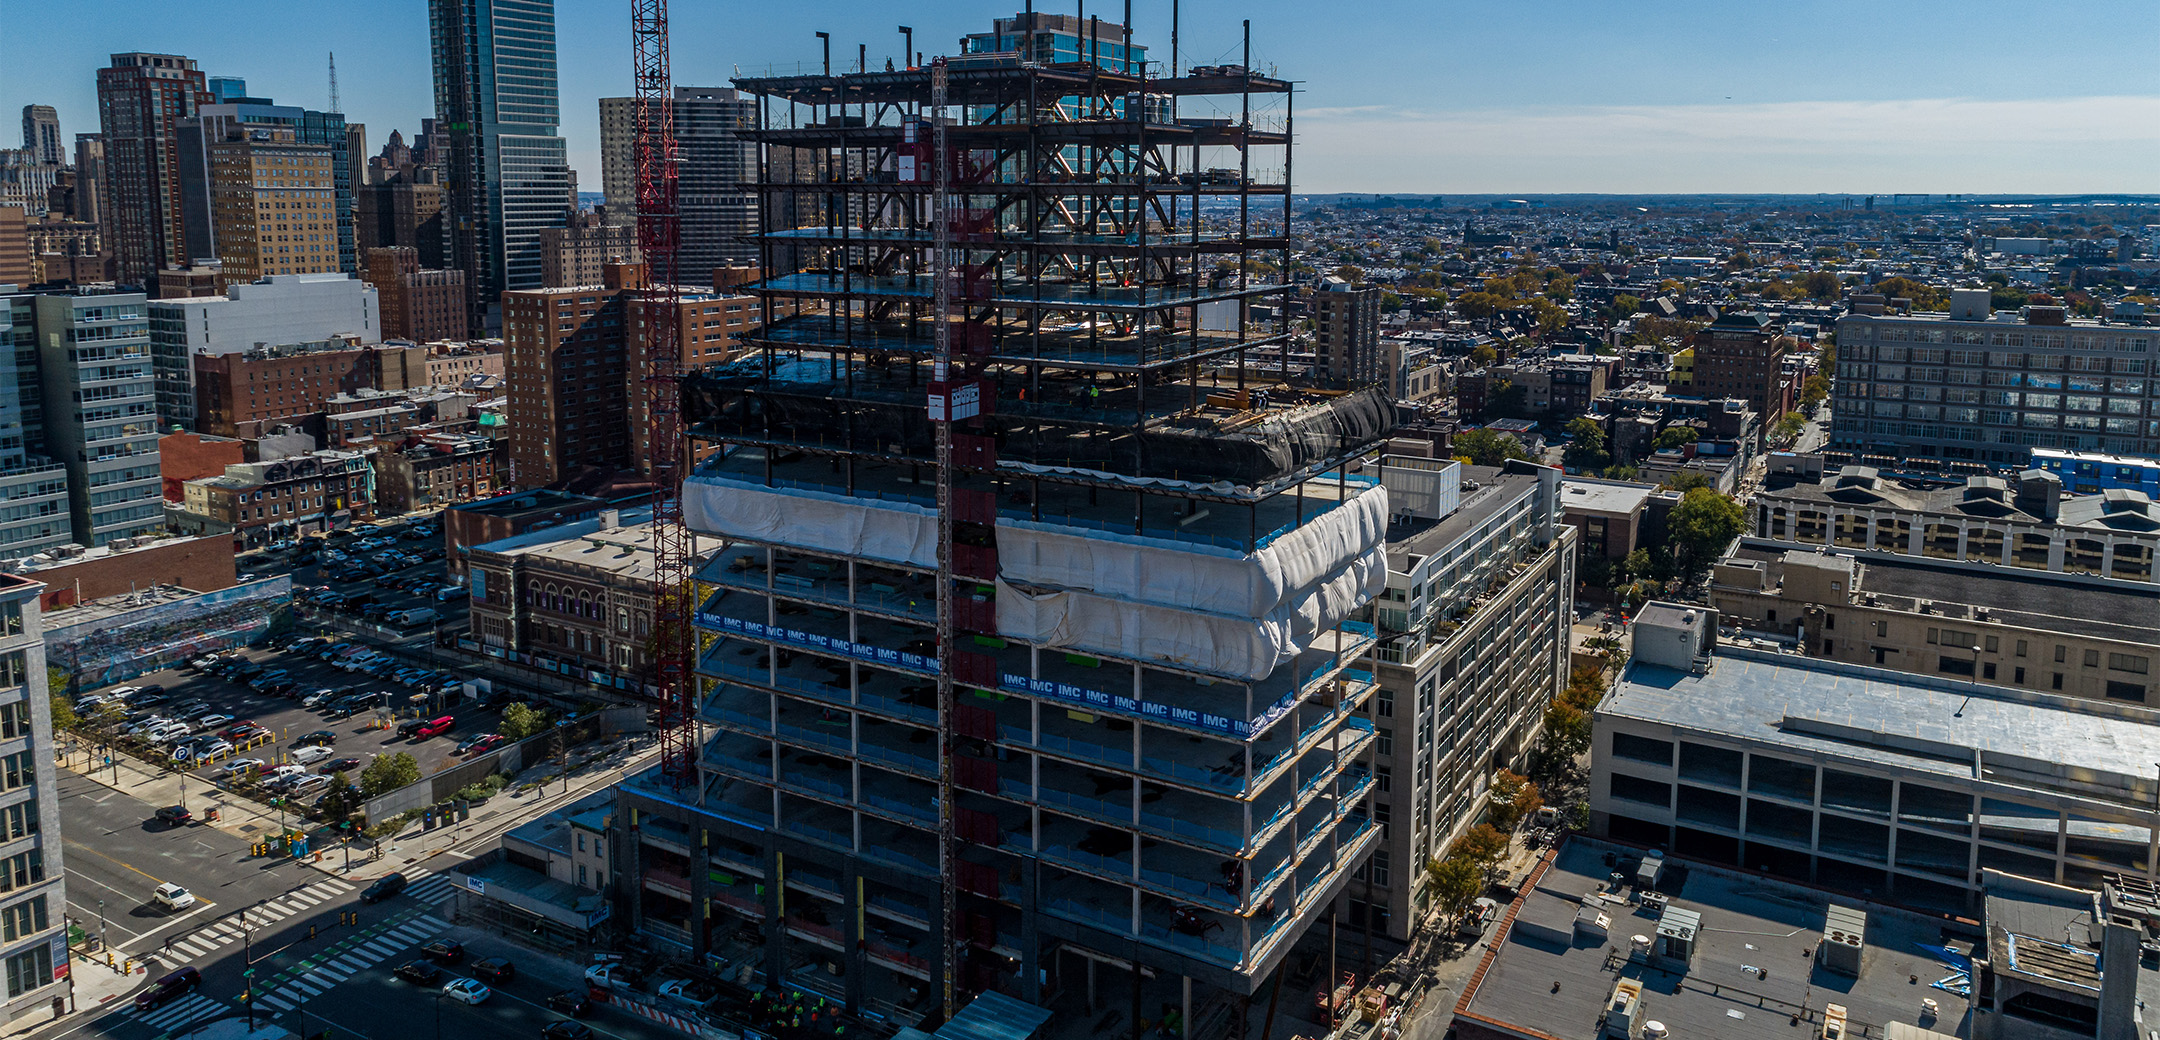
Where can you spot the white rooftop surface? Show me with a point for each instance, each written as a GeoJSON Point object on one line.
{"type": "Point", "coordinates": [1894, 718]}
{"type": "Point", "coordinates": [1603, 497]}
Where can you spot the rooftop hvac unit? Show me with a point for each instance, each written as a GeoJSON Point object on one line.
{"type": "Point", "coordinates": [1623, 1013]}
{"type": "Point", "coordinates": [1844, 936]}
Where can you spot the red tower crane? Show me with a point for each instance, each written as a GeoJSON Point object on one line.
{"type": "Point", "coordinates": [659, 226]}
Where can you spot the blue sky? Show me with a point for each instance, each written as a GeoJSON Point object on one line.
{"type": "Point", "coordinates": [1555, 96]}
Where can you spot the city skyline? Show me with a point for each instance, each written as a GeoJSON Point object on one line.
{"type": "Point", "coordinates": [1688, 97]}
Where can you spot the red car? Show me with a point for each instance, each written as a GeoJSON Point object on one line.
{"type": "Point", "coordinates": [239, 730]}
{"type": "Point", "coordinates": [436, 728]}
{"type": "Point", "coordinates": [481, 745]}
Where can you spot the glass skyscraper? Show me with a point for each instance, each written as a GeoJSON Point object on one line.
{"type": "Point", "coordinates": [509, 173]}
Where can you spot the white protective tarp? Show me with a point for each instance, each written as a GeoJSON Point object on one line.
{"type": "Point", "coordinates": [896, 532]}
{"type": "Point", "coordinates": [1202, 607]}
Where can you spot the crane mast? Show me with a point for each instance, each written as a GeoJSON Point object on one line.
{"type": "Point", "coordinates": [659, 227]}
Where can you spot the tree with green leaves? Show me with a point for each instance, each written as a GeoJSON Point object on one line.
{"type": "Point", "coordinates": [1479, 305]}
{"type": "Point", "coordinates": [63, 710]}
{"type": "Point", "coordinates": [1586, 452]}
{"type": "Point", "coordinates": [521, 720]}
{"type": "Point", "coordinates": [1788, 427]}
{"type": "Point", "coordinates": [1455, 883]}
{"type": "Point", "coordinates": [1484, 354]}
{"type": "Point", "coordinates": [1815, 390]}
{"type": "Point", "coordinates": [341, 801]}
{"type": "Point", "coordinates": [388, 773]}
{"type": "Point", "coordinates": [1488, 447]}
{"type": "Point", "coordinates": [1700, 528]}
{"type": "Point", "coordinates": [1674, 437]}
{"type": "Point", "coordinates": [1821, 285]}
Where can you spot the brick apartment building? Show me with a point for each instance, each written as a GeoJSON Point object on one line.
{"type": "Point", "coordinates": [579, 253]}
{"type": "Point", "coordinates": [240, 395]}
{"type": "Point", "coordinates": [192, 456]}
{"type": "Point", "coordinates": [260, 502]}
{"type": "Point", "coordinates": [1738, 357]}
{"type": "Point", "coordinates": [442, 470]}
{"type": "Point", "coordinates": [574, 365]}
{"type": "Point", "coordinates": [417, 303]}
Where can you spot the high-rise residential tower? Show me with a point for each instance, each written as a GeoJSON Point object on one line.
{"type": "Point", "coordinates": [719, 215]}
{"type": "Point", "coordinates": [41, 134]}
{"type": "Point", "coordinates": [142, 99]}
{"type": "Point", "coordinates": [509, 172]}
{"type": "Point", "coordinates": [1137, 744]}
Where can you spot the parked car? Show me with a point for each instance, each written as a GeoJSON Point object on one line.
{"type": "Point", "coordinates": [444, 951]}
{"type": "Point", "coordinates": [174, 815]}
{"type": "Point", "coordinates": [497, 970]}
{"type": "Point", "coordinates": [419, 973]}
{"type": "Point", "coordinates": [322, 737]}
{"type": "Point", "coordinates": [575, 1003]}
{"type": "Point", "coordinates": [318, 697]}
{"type": "Point", "coordinates": [307, 785]}
{"type": "Point", "coordinates": [436, 728]}
{"type": "Point", "coordinates": [384, 887]}
{"type": "Point", "coordinates": [342, 765]}
{"type": "Point", "coordinates": [682, 993]}
{"type": "Point", "coordinates": [451, 592]}
{"type": "Point", "coordinates": [213, 720]}
{"type": "Point", "coordinates": [477, 743]}
{"type": "Point", "coordinates": [566, 1029]}
{"type": "Point", "coordinates": [278, 775]}
{"type": "Point", "coordinates": [173, 897]}
{"type": "Point", "coordinates": [241, 766]}
{"type": "Point", "coordinates": [168, 988]}
{"type": "Point", "coordinates": [146, 700]}
{"type": "Point", "coordinates": [309, 754]}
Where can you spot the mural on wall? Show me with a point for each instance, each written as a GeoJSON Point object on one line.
{"type": "Point", "coordinates": [116, 647]}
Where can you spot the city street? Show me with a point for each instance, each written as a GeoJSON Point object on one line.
{"type": "Point", "coordinates": [310, 972]}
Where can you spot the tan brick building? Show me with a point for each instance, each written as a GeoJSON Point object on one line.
{"type": "Point", "coordinates": [2032, 630]}
{"type": "Point", "coordinates": [273, 203]}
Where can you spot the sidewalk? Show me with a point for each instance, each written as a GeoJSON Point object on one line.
{"type": "Point", "coordinates": [98, 989]}
{"type": "Point", "coordinates": [601, 765]}
{"type": "Point", "coordinates": [500, 814]}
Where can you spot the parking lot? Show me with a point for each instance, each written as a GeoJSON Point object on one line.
{"type": "Point", "coordinates": [369, 573]}
{"type": "Point", "coordinates": [354, 740]}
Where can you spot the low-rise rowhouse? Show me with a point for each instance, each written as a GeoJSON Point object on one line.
{"type": "Point", "coordinates": [260, 502]}
{"type": "Point", "coordinates": [442, 470]}
{"type": "Point", "coordinates": [547, 884]}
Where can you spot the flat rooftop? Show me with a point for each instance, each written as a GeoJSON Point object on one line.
{"type": "Point", "coordinates": [1753, 968]}
{"type": "Point", "coordinates": [1485, 491]}
{"type": "Point", "coordinates": [523, 502]}
{"type": "Point", "coordinates": [1899, 720]}
{"type": "Point", "coordinates": [1603, 496]}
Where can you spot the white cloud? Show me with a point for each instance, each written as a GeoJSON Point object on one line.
{"type": "Point", "coordinates": [1927, 145]}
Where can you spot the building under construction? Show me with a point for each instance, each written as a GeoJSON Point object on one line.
{"type": "Point", "coordinates": [1142, 737]}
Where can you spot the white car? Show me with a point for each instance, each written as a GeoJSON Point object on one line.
{"type": "Point", "coordinates": [317, 697]}
{"type": "Point", "coordinates": [277, 775]}
{"type": "Point", "coordinates": [173, 897]}
{"type": "Point", "coordinates": [123, 692]}
{"type": "Point", "coordinates": [238, 766]}
{"type": "Point", "coordinates": [170, 732]}
{"type": "Point", "coordinates": [471, 991]}
{"type": "Point", "coordinates": [310, 754]}
{"type": "Point", "coordinates": [213, 721]}
{"type": "Point", "coordinates": [307, 784]}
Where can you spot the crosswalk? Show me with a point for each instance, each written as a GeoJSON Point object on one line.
{"type": "Point", "coordinates": [191, 1008]}
{"type": "Point", "coordinates": [352, 956]}
{"type": "Point", "coordinates": [430, 888]}
{"type": "Point", "coordinates": [230, 929]}
{"type": "Point", "coordinates": [427, 886]}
